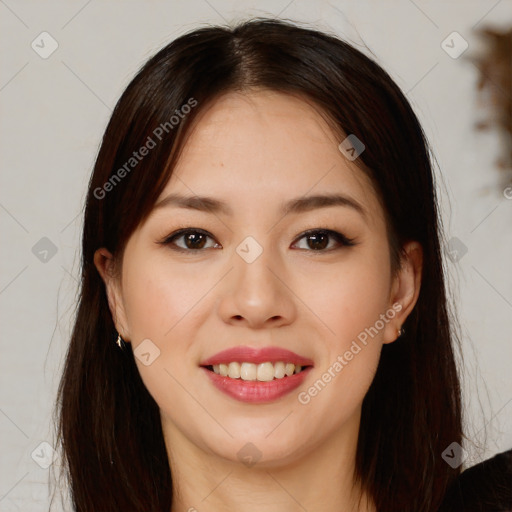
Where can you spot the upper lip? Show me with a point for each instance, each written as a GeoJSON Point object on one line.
{"type": "Point", "coordinates": [257, 355]}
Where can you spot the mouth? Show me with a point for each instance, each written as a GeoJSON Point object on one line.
{"type": "Point", "coordinates": [256, 375]}
{"type": "Point", "coordinates": [262, 364]}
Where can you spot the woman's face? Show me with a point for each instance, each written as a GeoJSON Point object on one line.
{"type": "Point", "coordinates": [251, 277]}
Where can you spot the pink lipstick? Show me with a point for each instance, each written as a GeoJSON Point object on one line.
{"type": "Point", "coordinates": [256, 375]}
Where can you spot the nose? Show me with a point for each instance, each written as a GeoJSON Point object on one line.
{"type": "Point", "coordinates": [258, 294]}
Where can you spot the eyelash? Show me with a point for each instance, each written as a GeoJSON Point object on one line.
{"type": "Point", "coordinates": [339, 237]}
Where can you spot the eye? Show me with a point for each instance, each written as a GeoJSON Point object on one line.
{"type": "Point", "coordinates": [193, 239]}
{"type": "Point", "coordinates": [318, 239]}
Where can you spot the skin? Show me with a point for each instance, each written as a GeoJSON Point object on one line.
{"type": "Point", "coordinates": [254, 151]}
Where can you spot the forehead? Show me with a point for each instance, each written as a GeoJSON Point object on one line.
{"type": "Point", "coordinates": [244, 146]}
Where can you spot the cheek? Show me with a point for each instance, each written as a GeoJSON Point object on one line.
{"type": "Point", "coordinates": [351, 304]}
{"type": "Point", "coordinates": [161, 305]}
{"type": "Point", "coordinates": [157, 298]}
{"type": "Point", "coordinates": [166, 304]}
{"type": "Point", "coordinates": [352, 298]}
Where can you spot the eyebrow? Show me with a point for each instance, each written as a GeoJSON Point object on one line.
{"type": "Point", "coordinates": [297, 205]}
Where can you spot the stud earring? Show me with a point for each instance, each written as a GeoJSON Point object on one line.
{"type": "Point", "coordinates": [120, 342]}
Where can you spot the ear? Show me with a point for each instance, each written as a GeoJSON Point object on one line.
{"type": "Point", "coordinates": [405, 289]}
{"type": "Point", "coordinates": [104, 262]}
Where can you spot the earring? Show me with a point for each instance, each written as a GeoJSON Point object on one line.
{"type": "Point", "coordinates": [401, 332]}
{"type": "Point", "coordinates": [120, 342]}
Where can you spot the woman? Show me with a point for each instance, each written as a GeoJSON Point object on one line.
{"type": "Point", "coordinates": [262, 321]}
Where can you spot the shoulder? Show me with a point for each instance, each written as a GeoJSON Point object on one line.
{"type": "Point", "coordinates": [486, 487]}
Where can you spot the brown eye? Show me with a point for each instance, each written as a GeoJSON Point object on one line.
{"type": "Point", "coordinates": [318, 240]}
{"type": "Point", "coordinates": [192, 239]}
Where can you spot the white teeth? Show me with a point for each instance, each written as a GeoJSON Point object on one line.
{"type": "Point", "coordinates": [266, 372]}
{"type": "Point", "coordinates": [248, 371]}
{"type": "Point", "coordinates": [279, 370]}
{"type": "Point", "coordinates": [234, 370]}
{"type": "Point", "coordinates": [263, 372]}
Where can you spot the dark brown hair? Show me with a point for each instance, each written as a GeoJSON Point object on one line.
{"type": "Point", "coordinates": [108, 423]}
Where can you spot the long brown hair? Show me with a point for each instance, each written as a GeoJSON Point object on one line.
{"type": "Point", "coordinates": [108, 424]}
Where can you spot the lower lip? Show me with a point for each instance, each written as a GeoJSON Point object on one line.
{"type": "Point", "coordinates": [253, 391]}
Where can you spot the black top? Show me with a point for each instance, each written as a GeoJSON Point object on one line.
{"type": "Point", "coordinates": [486, 487]}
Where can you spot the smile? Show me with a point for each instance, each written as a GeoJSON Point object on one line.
{"type": "Point", "coordinates": [256, 375]}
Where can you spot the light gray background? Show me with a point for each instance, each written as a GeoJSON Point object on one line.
{"type": "Point", "coordinates": [54, 112]}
